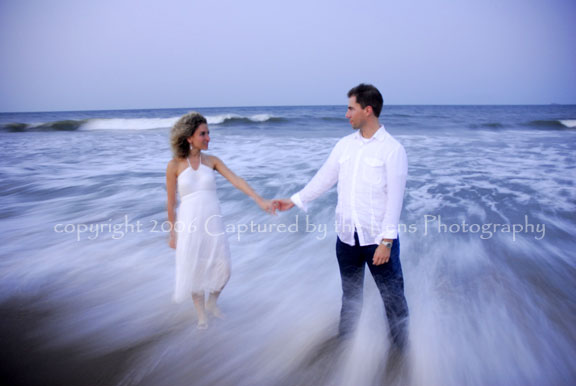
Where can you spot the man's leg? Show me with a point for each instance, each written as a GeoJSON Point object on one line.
{"type": "Point", "coordinates": [351, 266]}
{"type": "Point", "coordinates": [390, 282]}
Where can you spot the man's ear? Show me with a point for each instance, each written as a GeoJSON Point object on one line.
{"type": "Point", "coordinates": [369, 109]}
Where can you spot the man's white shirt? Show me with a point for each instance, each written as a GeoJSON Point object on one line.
{"type": "Point", "coordinates": [371, 175]}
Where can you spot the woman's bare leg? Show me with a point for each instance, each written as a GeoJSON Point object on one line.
{"type": "Point", "coordinates": [198, 299]}
{"type": "Point", "coordinates": [211, 307]}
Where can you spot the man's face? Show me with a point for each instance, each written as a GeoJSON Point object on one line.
{"type": "Point", "coordinates": [356, 114]}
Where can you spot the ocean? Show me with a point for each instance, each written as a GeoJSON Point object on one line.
{"type": "Point", "coordinates": [488, 239]}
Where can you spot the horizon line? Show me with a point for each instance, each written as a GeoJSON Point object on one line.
{"type": "Point", "coordinates": [252, 106]}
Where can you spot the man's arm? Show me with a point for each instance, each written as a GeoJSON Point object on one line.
{"type": "Point", "coordinates": [323, 180]}
{"type": "Point", "coordinates": [397, 169]}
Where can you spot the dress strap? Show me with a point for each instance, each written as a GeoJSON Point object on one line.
{"type": "Point", "coordinates": [189, 164]}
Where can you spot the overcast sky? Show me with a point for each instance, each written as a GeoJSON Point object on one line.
{"type": "Point", "coordinates": [89, 55]}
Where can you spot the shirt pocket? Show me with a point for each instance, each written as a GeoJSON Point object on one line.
{"type": "Point", "coordinates": [373, 170]}
{"type": "Point", "coordinates": [344, 164]}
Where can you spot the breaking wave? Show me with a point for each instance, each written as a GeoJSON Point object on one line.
{"type": "Point", "coordinates": [132, 123]}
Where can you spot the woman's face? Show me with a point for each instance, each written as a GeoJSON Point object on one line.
{"type": "Point", "coordinates": [201, 138]}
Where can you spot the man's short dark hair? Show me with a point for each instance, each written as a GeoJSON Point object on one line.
{"type": "Point", "coordinates": [367, 95]}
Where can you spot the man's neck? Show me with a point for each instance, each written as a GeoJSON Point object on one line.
{"type": "Point", "coordinates": [370, 129]}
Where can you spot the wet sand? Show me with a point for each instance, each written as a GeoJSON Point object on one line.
{"type": "Point", "coordinates": [26, 359]}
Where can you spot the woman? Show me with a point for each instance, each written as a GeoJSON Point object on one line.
{"type": "Point", "coordinates": [202, 251]}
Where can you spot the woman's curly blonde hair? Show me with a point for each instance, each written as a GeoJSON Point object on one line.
{"type": "Point", "coordinates": [184, 128]}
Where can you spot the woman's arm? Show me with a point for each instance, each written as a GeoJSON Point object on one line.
{"type": "Point", "coordinates": [240, 184]}
{"type": "Point", "coordinates": [171, 180]}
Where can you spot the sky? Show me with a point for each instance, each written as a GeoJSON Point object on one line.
{"type": "Point", "coordinates": [60, 55]}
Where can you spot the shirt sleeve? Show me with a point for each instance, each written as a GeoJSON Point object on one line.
{"type": "Point", "coordinates": [397, 170]}
{"type": "Point", "coordinates": [324, 179]}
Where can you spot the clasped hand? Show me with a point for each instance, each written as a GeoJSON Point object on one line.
{"type": "Point", "coordinates": [271, 206]}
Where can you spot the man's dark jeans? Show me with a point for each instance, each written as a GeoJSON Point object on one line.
{"type": "Point", "coordinates": [388, 278]}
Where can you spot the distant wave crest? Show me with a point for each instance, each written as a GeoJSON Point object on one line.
{"type": "Point", "coordinates": [242, 120]}
{"type": "Point", "coordinates": [93, 124]}
{"type": "Point", "coordinates": [568, 122]}
{"type": "Point", "coordinates": [68, 125]}
{"type": "Point", "coordinates": [538, 124]}
{"type": "Point", "coordinates": [558, 124]}
{"type": "Point", "coordinates": [131, 123]}
{"type": "Point", "coordinates": [223, 119]}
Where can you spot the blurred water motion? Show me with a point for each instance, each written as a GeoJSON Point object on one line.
{"type": "Point", "coordinates": [91, 305]}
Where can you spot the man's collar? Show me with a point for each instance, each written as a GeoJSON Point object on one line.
{"type": "Point", "coordinates": [380, 134]}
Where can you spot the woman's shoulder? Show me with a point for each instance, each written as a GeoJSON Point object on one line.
{"type": "Point", "coordinates": [211, 160]}
{"type": "Point", "coordinates": [174, 163]}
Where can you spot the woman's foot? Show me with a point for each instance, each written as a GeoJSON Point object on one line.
{"type": "Point", "coordinates": [202, 324]}
{"type": "Point", "coordinates": [215, 311]}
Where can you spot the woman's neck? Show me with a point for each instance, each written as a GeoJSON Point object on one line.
{"type": "Point", "coordinates": [194, 153]}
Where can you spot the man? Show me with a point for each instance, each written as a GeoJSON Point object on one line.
{"type": "Point", "coordinates": [370, 167]}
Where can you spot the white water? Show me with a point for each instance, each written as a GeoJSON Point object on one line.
{"type": "Point", "coordinates": [569, 122]}
{"type": "Point", "coordinates": [159, 123]}
{"type": "Point", "coordinates": [483, 311]}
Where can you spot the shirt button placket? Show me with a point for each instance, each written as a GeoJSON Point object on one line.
{"type": "Point", "coordinates": [353, 194]}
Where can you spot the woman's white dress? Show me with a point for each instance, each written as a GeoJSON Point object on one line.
{"type": "Point", "coordinates": [202, 251]}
